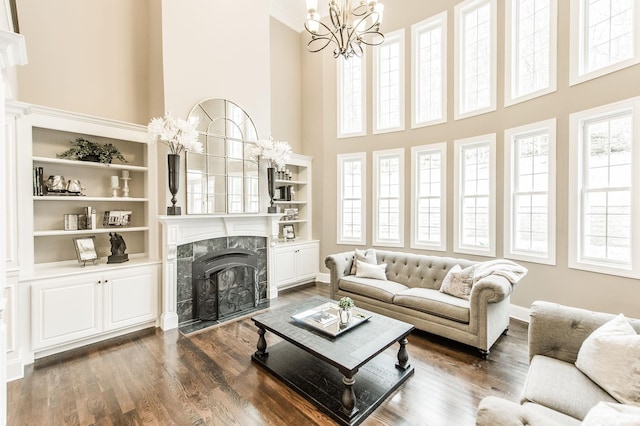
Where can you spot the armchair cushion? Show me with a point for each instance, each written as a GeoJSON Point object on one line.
{"type": "Point", "coordinates": [494, 411]}
{"type": "Point", "coordinates": [610, 356]}
{"type": "Point", "coordinates": [560, 386]}
{"type": "Point", "coordinates": [606, 413]}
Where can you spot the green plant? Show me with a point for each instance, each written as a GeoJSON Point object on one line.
{"type": "Point", "coordinates": [346, 303]}
{"type": "Point", "coordinates": [84, 150]}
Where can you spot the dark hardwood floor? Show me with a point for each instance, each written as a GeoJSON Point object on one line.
{"type": "Point", "coordinates": [207, 378]}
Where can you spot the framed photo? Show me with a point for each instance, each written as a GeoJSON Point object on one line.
{"type": "Point", "coordinates": [290, 214]}
{"type": "Point", "coordinates": [288, 232]}
{"type": "Point", "coordinates": [86, 249]}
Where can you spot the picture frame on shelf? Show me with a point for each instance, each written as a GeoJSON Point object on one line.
{"type": "Point", "coordinates": [86, 249]}
{"type": "Point", "coordinates": [288, 232]}
{"type": "Point", "coordinates": [116, 218]}
{"type": "Point", "coordinates": [290, 214]}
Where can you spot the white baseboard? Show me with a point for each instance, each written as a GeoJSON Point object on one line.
{"type": "Point", "coordinates": [323, 277]}
{"type": "Point", "coordinates": [15, 370]}
{"type": "Point", "coordinates": [519, 313]}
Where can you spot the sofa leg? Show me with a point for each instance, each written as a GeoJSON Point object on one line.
{"type": "Point", "coordinates": [484, 353]}
{"type": "Point", "coordinates": [504, 333]}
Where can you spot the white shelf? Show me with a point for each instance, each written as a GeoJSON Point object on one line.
{"type": "Point", "coordinates": [284, 222]}
{"type": "Point", "coordinates": [58, 232]}
{"type": "Point", "coordinates": [83, 198]}
{"type": "Point", "coordinates": [289, 202]}
{"type": "Point", "coordinates": [89, 164]}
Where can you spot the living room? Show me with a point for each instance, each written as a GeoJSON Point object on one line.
{"type": "Point", "coordinates": [132, 61]}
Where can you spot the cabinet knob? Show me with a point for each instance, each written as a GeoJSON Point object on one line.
{"type": "Point", "coordinates": [99, 282]}
{"type": "Point", "coordinates": [106, 281]}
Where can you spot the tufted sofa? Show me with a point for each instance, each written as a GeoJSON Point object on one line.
{"type": "Point", "coordinates": [412, 294]}
{"type": "Point", "coordinates": [555, 391]}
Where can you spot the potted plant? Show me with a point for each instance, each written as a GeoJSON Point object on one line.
{"type": "Point", "coordinates": [82, 149]}
{"type": "Point", "coordinates": [345, 304]}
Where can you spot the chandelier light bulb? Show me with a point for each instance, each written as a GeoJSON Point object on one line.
{"type": "Point", "coordinates": [379, 9]}
{"type": "Point", "coordinates": [313, 22]}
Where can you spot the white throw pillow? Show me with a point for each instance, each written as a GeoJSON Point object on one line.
{"type": "Point", "coordinates": [610, 356]}
{"type": "Point", "coordinates": [458, 281]}
{"type": "Point", "coordinates": [367, 270]}
{"type": "Point", "coordinates": [611, 414]}
{"type": "Point", "coordinates": [367, 256]}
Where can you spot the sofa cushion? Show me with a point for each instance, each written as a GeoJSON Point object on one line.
{"type": "Point", "coordinates": [559, 385]}
{"type": "Point", "coordinates": [458, 281]}
{"type": "Point", "coordinates": [367, 270]}
{"type": "Point", "coordinates": [367, 256]}
{"type": "Point", "coordinates": [376, 289]}
{"type": "Point", "coordinates": [434, 302]}
{"type": "Point", "coordinates": [610, 356]}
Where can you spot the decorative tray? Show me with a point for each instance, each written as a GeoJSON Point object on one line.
{"type": "Point", "coordinates": [325, 318]}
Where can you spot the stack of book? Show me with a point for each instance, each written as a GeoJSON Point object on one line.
{"type": "Point", "coordinates": [38, 182]}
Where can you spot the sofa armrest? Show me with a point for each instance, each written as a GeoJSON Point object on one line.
{"type": "Point", "coordinates": [558, 331]}
{"type": "Point", "coordinates": [339, 265]}
{"type": "Point", "coordinates": [494, 288]}
{"type": "Point", "coordinates": [494, 411]}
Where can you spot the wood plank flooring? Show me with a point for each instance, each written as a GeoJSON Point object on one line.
{"type": "Point", "coordinates": [207, 378]}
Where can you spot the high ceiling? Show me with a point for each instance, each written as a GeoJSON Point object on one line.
{"type": "Point", "coordinates": [293, 12]}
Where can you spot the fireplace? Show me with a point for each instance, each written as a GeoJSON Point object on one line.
{"type": "Point", "coordinates": [225, 284]}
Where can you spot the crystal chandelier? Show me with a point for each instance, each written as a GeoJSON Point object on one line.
{"type": "Point", "coordinates": [349, 28]}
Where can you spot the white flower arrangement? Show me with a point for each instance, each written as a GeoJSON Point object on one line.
{"type": "Point", "coordinates": [275, 153]}
{"type": "Point", "coordinates": [180, 135]}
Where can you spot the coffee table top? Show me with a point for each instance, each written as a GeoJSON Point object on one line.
{"type": "Point", "coordinates": [348, 351]}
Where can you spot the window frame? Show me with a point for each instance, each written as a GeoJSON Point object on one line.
{"type": "Point", "coordinates": [392, 37]}
{"type": "Point", "coordinates": [377, 156]}
{"type": "Point", "coordinates": [439, 20]}
{"type": "Point", "coordinates": [459, 9]}
{"type": "Point", "coordinates": [459, 144]}
{"type": "Point", "coordinates": [576, 181]}
{"type": "Point", "coordinates": [340, 239]}
{"type": "Point", "coordinates": [510, 52]}
{"type": "Point", "coordinates": [577, 74]}
{"type": "Point", "coordinates": [510, 138]}
{"type": "Point", "coordinates": [340, 96]}
{"type": "Point", "coordinates": [415, 152]}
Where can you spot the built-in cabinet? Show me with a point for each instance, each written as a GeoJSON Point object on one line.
{"type": "Point", "coordinates": [296, 256]}
{"type": "Point", "coordinates": [295, 263]}
{"type": "Point", "coordinates": [73, 308]}
{"type": "Point", "coordinates": [56, 302]}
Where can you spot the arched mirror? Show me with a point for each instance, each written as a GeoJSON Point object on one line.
{"type": "Point", "coordinates": [224, 178]}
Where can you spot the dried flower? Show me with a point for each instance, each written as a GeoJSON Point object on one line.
{"type": "Point", "coordinates": [275, 153]}
{"type": "Point", "coordinates": [180, 135]}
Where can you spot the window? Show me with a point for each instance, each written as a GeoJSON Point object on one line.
{"type": "Point", "coordinates": [605, 37]}
{"type": "Point", "coordinates": [475, 57]}
{"type": "Point", "coordinates": [429, 197]}
{"type": "Point", "coordinates": [603, 190]}
{"type": "Point", "coordinates": [529, 179]}
{"type": "Point", "coordinates": [429, 71]}
{"type": "Point", "coordinates": [351, 198]}
{"type": "Point", "coordinates": [388, 90]}
{"type": "Point", "coordinates": [475, 195]}
{"type": "Point", "coordinates": [388, 184]}
{"type": "Point", "coordinates": [351, 97]}
{"type": "Point", "coordinates": [530, 49]}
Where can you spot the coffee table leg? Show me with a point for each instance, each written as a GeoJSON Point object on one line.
{"type": "Point", "coordinates": [348, 396]}
{"type": "Point", "coordinates": [403, 355]}
{"type": "Point", "coordinates": [262, 344]}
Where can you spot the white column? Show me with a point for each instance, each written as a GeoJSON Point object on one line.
{"type": "Point", "coordinates": [12, 52]}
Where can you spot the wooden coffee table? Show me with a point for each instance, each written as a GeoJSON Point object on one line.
{"type": "Point", "coordinates": [323, 368]}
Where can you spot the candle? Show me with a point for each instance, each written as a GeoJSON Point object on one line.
{"type": "Point", "coordinates": [115, 181]}
{"type": "Point", "coordinates": [125, 174]}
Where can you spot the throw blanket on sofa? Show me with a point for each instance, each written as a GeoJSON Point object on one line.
{"type": "Point", "coordinates": [503, 267]}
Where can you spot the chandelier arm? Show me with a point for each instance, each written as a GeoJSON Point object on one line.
{"type": "Point", "coordinates": [329, 32]}
{"type": "Point", "coordinates": [324, 40]}
{"type": "Point", "coordinates": [373, 43]}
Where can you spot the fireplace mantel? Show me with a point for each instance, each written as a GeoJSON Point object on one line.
{"type": "Point", "coordinates": [177, 230]}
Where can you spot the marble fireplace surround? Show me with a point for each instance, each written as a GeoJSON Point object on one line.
{"type": "Point", "coordinates": [180, 230]}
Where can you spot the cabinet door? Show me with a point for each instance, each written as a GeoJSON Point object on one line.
{"type": "Point", "coordinates": [65, 310]}
{"type": "Point", "coordinates": [131, 297]}
{"type": "Point", "coordinates": [285, 264]}
{"type": "Point", "coordinates": [307, 261]}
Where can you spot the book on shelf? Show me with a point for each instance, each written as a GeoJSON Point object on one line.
{"type": "Point", "coordinates": [38, 183]}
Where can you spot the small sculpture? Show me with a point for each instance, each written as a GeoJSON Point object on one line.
{"type": "Point", "coordinates": [118, 246]}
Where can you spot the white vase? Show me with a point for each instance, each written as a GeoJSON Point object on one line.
{"type": "Point", "coordinates": [345, 316]}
